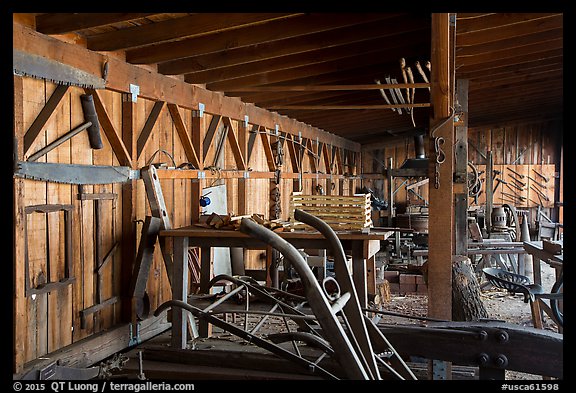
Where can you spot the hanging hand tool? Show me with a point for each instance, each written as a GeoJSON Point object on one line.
{"type": "Point", "coordinates": [541, 175]}
{"type": "Point", "coordinates": [74, 173]}
{"type": "Point", "coordinates": [421, 72]}
{"type": "Point", "coordinates": [405, 78]}
{"type": "Point", "coordinates": [392, 91]}
{"type": "Point", "coordinates": [26, 64]}
{"type": "Point", "coordinates": [510, 185]}
{"type": "Point", "coordinates": [91, 124]}
{"type": "Point", "coordinates": [383, 92]}
{"type": "Point", "coordinates": [540, 193]}
{"type": "Point", "coordinates": [521, 198]}
{"type": "Point", "coordinates": [498, 180]}
{"type": "Point", "coordinates": [537, 183]}
{"type": "Point", "coordinates": [413, 91]}
{"type": "Point", "coordinates": [518, 182]}
{"type": "Point", "coordinates": [521, 176]}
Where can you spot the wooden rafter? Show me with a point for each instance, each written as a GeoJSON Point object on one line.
{"type": "Point", "coordinates": [62, 23]}
{"type": "Point", "coordinates": [373, 86]}
{"type": "Point", "coordinates": [183, 135]}
{"type": "Point", "coordinates": [294, 27]}
{"type": "Point", "coordinates": [300, 44]}
{"type": "Point", "coordinates": [348, 63]}
{"type": "Point", "coordinates": [554, 21]}
{"type": "Point", "coordinates": [292, 60]}
{"type": "Point", "coordinates": [176, 29]}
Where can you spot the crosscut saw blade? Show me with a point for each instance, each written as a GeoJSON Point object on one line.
{"type": "Point", "coordinates": [74, 173]}
{"type": "Point", "coordinates": [27, 64]}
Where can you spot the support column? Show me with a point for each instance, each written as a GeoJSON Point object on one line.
{"type": "Point", "coordinates": [441, 200]}
{"type": "Point", "coordinates": [129, 192]}
{"type": "Point", "coordinates": [461, 169]}
{"type": "Point", "coordinates": [441, 169]}
{"type": "Point", "coordinates": [197, 138]}
{"type": "Point", "coordinates": [19, 217]}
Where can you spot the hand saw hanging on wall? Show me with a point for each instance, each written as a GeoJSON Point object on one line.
{"type": "Point", "coordinates": [26, 64]}
{"type": "Point", "coordinates": [74, 173]}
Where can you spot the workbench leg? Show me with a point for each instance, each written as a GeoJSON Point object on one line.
{"type": "Point", "coordinates": [536, 270]}
{"type": "Point", "coordinates": [359, 273]}
{"type": "Point", "coordinates": [205, 329]}
{"type": "Point", "coordinates": [180, 291]}
{"type": "Point", "coordinates": [371, 275]}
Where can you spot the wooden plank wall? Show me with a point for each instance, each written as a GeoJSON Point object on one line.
{"type": "Point", "coordinates": [537, 145]}
{"type": "Point", "coordinates": [51, 321]}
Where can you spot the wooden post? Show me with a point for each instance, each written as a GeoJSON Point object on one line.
{"type": "Point", "coordinates": [441, 202]}
{"type": "Point", "coordinates": [197, 139]}
{"type": "Point", "coordinates": [489, 195]}
{"type": "Point", "coordinates": [441, 216]}
{"type": "Point", "coordinates": [129, 204]}
{"type": "Point", "coordinates": [19, 301]}
{"type": "Point", "coordinates": [461, 169]}
{"type": "Point", "coordinates": [180, 291]}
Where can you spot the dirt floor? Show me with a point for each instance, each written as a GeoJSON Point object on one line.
{"type": "Point", "coordinates": [500, 305]}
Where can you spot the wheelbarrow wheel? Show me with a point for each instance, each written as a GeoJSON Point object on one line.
{"type": "Point", "coordinates": [556, 304]}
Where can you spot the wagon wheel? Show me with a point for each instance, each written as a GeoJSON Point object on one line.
{"type": "Point", "coordinates": [512, 221]}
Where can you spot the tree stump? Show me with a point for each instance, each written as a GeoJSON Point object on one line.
{"type": "Point", "coordinates": [382, 295]}
{"type": "Point", "coordinates": [467, 304]}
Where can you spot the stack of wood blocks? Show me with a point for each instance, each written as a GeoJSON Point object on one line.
{"type": "Point", "coordinates": [232, 222]}
{"type": "Point", "coordinates": [340, 212]}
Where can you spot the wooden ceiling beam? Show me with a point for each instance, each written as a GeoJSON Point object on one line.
{"type": "Point", "coordinates": [61, 23]}
{"type": "Point", "coordinates": [318, 69]}
{"type": "Point", "coordinates": [514, 118]}
{"type": "Point", "coordinates": [302, 59]}
{"type": "Point", "coordinates": [510, 53]}
{"type": "Point", "coordinates": [510, 61]}
{"type": "Point", "coordinates": [350, 107]}
{"type": "Point", "coordinates": [497, 21]}
{"type": "Point", "coordinates": [552, 74]}
{"type": "Point", "coordinates": [516, 85]}
{"type": "Point", "coordinates": [300, 44]}
{"type": "Point", "coordinates": [201, 24]}
{"type": "Point", "coordinates": [555, 21]}
{"type": "Point", "coordinates": [514, 69]}
{"type": "Point", "coordinates": [322, 88]}
{"type": "Point", "coordinates": [293, 27]}
{"type": "Point", "coordinates": [509, 43]}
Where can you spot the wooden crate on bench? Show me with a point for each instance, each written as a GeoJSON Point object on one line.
{"type": "Point", "coordinates": [340, 212]}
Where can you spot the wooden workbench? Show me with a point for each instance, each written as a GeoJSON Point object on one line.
{"type": "Point", "coordinates": [539, 255]}
{"type": "Point", "coordinates": [363, 247]}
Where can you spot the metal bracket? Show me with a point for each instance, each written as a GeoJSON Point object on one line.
{"type": "Point", "coordinates": [246, 118]}
{"type": "Point", "coordinates": [201, 175]}
{"type": "Point", "coordinates": [134, 334]}
{"type": "Point", "coordinates": [246, 174]}
{"type": "Point", "coordinates": [134, 91]}
{"type": "Point", "coordinates": [439, 370]}
{"type": "Point", "coordinates": [276, 129]}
